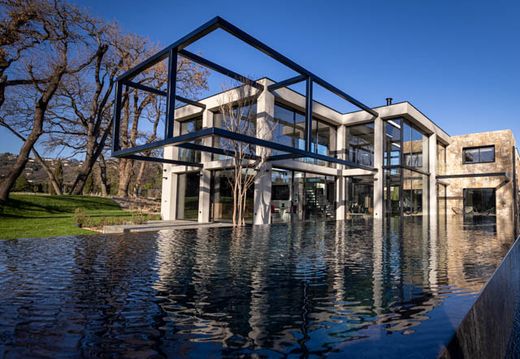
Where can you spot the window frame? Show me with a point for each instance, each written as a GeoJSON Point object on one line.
{"type": "Point", "coordinates": [465, 190]}
{"type": "Point", "coordinates": [464, 149]}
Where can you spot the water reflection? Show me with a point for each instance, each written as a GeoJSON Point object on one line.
{"type": "Point", "coordinates": [361, 287]}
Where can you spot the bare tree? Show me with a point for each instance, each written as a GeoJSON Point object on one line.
{"type": "Point", "coordinates": [191, 80]}
{"type": "Point", "coordinates": [54, 181]}
{"type": "Point", "coordinates": [238, 114]}
{"type": "Point", "coordinates": [59, 53]}
{"type": "Point", "coordinates": [82, 117]}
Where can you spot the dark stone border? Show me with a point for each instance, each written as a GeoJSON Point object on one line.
{"type": "Point", "coordinates": [491, 328]}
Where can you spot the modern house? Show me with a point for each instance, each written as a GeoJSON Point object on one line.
{"type": "Point", "coordinates": [410, 165]}
{"type": "Point", "coordinates": [319, 163]}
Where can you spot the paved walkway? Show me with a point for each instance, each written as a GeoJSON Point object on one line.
{"type": "Point", "coordinates": [159, 225]}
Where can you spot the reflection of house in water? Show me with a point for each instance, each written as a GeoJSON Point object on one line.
{"type": "Point", "coordinates": [308, 288]}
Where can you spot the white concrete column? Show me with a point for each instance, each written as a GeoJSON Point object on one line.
{"type": "Point", "coordinates": [181, 196]}
{"type": "Point", "coordinates": [169, 188]}
{"type": "Point", "coordinates": [426, 180]}
{"type": "Point", "coordinates": [264, 128]}
{"type": "Point", "coordinates": [379, 133]}
{"type": "Point", "coordinates": [205, 175]}
{"type": "Point", "coordinates": [432, 185]}
{"type": "Point", "coordinates": [341, 198]}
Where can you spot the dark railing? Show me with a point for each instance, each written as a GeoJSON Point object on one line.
{"type": "Point", "coordinates": [178, 49]}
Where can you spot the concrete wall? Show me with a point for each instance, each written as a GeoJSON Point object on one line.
{"type": "Point", "coordinates": [503, 142]}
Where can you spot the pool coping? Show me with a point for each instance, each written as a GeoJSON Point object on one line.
{"type": "Point", "coordinates": [486, 329]}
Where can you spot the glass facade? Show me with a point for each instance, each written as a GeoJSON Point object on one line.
{"type": "Point", "coordinates": [221, 197]}
{"type": "Point", "coordinates": [301, 196]}
{"type": "Point", "coordinates": [243, 121]}
{"type": "Point", "coordinates": [360, 144]}
{"type": "Point", "coordinates": [360, 195]}
{"type": "Point", "coordinates": [405, 163]}
{"type": "Point", "coordinates": [188, 195]}
{"type": "Point", "coordinates": [289, 129]}
{"type": "Point", "coordinates": [479, 201]}
{"type": "Point", "coordinates": [190, 126]}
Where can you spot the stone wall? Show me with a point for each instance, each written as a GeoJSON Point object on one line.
{"type": "Point", "coordinates": [503, 142]}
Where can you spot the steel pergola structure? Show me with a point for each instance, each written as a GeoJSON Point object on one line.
{"type": "Point", "coordinates": [178, 48]}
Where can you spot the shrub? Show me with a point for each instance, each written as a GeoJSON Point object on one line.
{"type": "Point", "coordinates": [80, 217]}
{"type": "Point", "coordinates": [138, 217]}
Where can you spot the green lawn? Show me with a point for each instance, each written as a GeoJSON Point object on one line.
{"type": "Point", "coordinates": [30, 216]}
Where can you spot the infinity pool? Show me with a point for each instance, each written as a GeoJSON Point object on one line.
{"type": "Point", "coordinates": [347, 289]}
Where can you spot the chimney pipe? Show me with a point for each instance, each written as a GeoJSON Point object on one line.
{"type": "Point", "coordinates": [389, 101]}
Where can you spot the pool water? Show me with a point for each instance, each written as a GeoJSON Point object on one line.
{"type": "Point", "coordinates": [359, 288]}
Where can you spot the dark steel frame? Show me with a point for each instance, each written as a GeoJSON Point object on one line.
{"type": "Point", "coordinates": [401, 166]}
{"type": "Point", "coordinates": [178, 49]}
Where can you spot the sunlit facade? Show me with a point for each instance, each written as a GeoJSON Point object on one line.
{"type": "Point", "coordinates": [402, 164]}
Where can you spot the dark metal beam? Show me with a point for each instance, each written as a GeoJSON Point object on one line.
{"type": "Point", "coordinates": [161, 143]}
{"type": "Point", "coordinates": [308, 115]}
{"type": "Point", "coordinates": [286, 156]}
{"type": "Point", "coordinates": [117, 117]}
{"type": "Point", "coordinates": [285, 83]}
{"type": "Point", "coordinates": [145, 88]}
{"type": "Point", "coordinates": [163, 160]}
{"type": "Point", "coordinates": [190, 102]}
{"type": "Point", "coordinates": [217, 151]}
{"type": "Point", "coordinates": [344, 95]}
{"type": "Point", "coordinates": [190, 38]}
{"type": "Point", "coordinates": [221, 69]}
{"type": "Point", "coordinates": [470, 175]}
{"type": "Point", "coordinates": [215, 131]}
{"type": "Point", "coordinates": [218, 22]}
{"type": "Point", "coordinates": [163, 93]}
{"type": "Point", "coordinates": [235, 31]}
{"type": "Point", "coordinates": [170, 100]}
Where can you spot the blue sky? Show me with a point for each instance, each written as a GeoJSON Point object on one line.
{"type": "Point", "coordinates": [457, 61]}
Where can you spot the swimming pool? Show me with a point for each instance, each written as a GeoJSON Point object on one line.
{"type": "Point", "coordinates": [359, 288]}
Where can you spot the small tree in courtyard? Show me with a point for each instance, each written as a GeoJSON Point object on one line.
{"type": "Point", "coordinates": [238, 114]}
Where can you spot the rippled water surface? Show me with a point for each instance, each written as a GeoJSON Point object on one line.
{"type": "Point", "coordinates": [346, 289]}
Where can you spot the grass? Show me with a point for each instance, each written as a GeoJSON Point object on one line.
{"type": "Point", "coordinates": [31, 216]}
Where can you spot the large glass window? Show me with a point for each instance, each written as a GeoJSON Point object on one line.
{"type": "Point", "coordinates": [360, 192]}
{"type": "Point", "coordinates": [392, 142]}
{"type": "Point", "coordinates": [222, 197]}
{"type": "Point", "coordinates": [482, 154]}
{"type": "Point", "coordinates": [243, 121]}
{"type": "Point", "coordinates": [479, 201]}
{"type": "Point", "coordinates": [190, 126]}
{"type": "Point", "coordinates": [405, 168]}
{"type": "Point", "coordinates": [188, 195]}
{"type": "Point", "coordinates": [360, 144]}
{"type": "Point", "coordinates": [289, 129]}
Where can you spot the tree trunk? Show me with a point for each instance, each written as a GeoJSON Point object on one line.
{"type": "Point", "coordinates": [52, 178]}
{"type": "Point", "coordinates": [125, 176]}
{"type": "Point", "coordinates": [103, 178]}
{"type": "Point", "coordinates": [85, 169]}
{"type": "Point", "coordinates": [139, 179]}
{"type": "Point", "coordinates": [23, 156]}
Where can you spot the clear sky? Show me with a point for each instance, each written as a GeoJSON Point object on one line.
{"type": "Point", "coordinates": [457, 61]}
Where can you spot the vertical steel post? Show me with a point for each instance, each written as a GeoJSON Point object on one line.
{"type": "Point", "coordinates": [172, 85]}
{"type": "Point", "coordinates": [308, 115]}
{"type": "Point", "coordinates": [401, 169]}
{"type": "Point", "coordinates": [117, 117]}
{"type": "Point", "coordinates": [515, 190]}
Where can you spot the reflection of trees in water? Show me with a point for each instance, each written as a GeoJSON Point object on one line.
{"type": "Point", "coordinates": [299, 288]}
